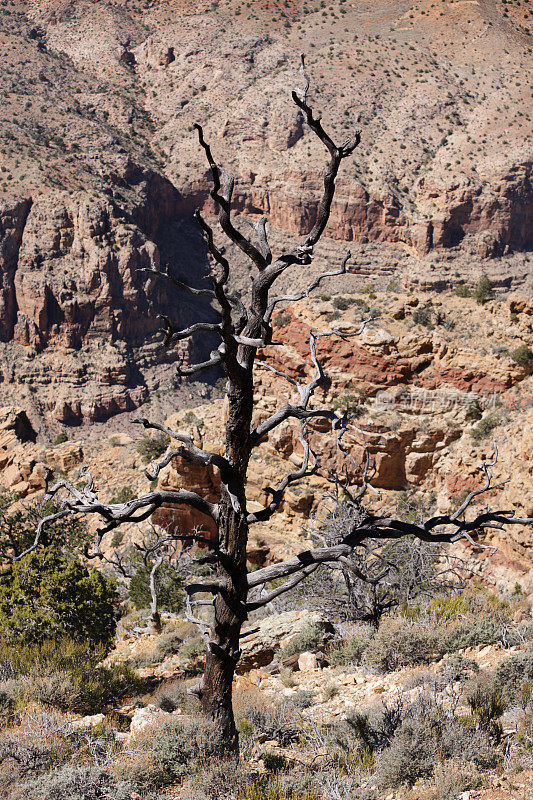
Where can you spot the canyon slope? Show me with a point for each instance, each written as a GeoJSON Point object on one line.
{"type": "Point", "coordinates": [100, 169]}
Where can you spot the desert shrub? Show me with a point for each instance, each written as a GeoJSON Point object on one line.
{"type": "Point", "coordinates": [173, 695]}
{"type": "Point", "coordinates": [123, 495]}
{"type": "Point", "coordinates": [351, 650]}
{"type": "Point", "coordinates": [303, 698]}
{"type": "Point", "coordinates": [462, 291]}
{"type": "Point", "coordinates": [429, 733]}
{"type": "Point", "coordinates": [282, 319]}
{"type": "Point", "coordinates": [515, 678]}
{"type": "Point", "coordinates": [343, 303]}
{"type": "Point", "coordinates": [218, 779]}
{"type": "Point", "coordinates": [330, 690]}
{"type": "Point", "coordinates": [61, 438]}
{"type": "Point", "coordinates": [463, 740]}
{"type": "Point", "coordinates": [37, 743]}
{"type": "Point", "coordinates": [411, 755]}
{"type": "Point", "coordinates": [274, 762]}
{"type": "Point", "coordinates": [423, 316]}
{"type": "Point", "coordinates": [287, 787]}
{"type": "Point", "coordinates": [169, 642]}
{"type": "Point", "coordinates": [50, 596]}
{"type": "Point", "coordinates": [375, 728]}
{"type": "Point", "coordinates": [452, 779]}
{"type": "Point", "coordinates": [152, 447]}
{"type": "Point", "coordinates": [192, 648]}
{"type": "Point", "coordinates": [70, 783]}
{"type": "Point", "coordinates": [485, 426]}
{"type": "Point", "coordinates": [287, 677]}
{"type": "Point", "coordinates": [174, 750]}
{"type": "Point", "coordinates": [349, 401]}
{"type": "Point", "coordinates": [457, 668]}
{"type": "Point", "coordinates": [523, 355]}
{"type": "Point", "coordinates": [399, 644]}
{"type": "Point", "coordinates": [473, 411]}
{"type": "Point", "coordinates": [254, 714]}
{"type": "Point", "coordinates": [469, 633]}
{"type": "Point", "coordinates": [446, 607]}
{"type": "Point", "coordinates": [169, 588]}
{"type": "Point", "coordinates": [66, 674]}
{"type": "Point", "coordinates": [309, 639]}
{"type": "Point", "coordinates": [8, 693]}
{"type": "Point", "coordinates": [484, 290]}
{"type": "Point", "coordinates": [81, 782]}
{"type": "Point", "coordinates": [88, 688]}
{"type": "Point", "coordinates": [486, 700]}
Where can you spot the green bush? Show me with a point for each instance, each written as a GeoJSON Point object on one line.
{"type": "Point", "coordinates": [351, 651]}
{"type": "Point", "coordinates": [423, 316]}
{"type": "Point", "coordinates": [174, 750]}
{"type": "Point", "coordinates": [61, 438]}
{"type": "Point", "coordinates": [123, 495]}
{"type": "Point", "coordinates": [150, 448]}
{"type": "Point", "coordinates": [83, 782]}
{"type": "Point", "coordinates": [274, 762]}
{"type": "Point", "coordinates": [486, 700]}
{"type": "Point", "coordinates": [171, 697]}
{"type": "Point", "coordinates": [343, 303]}
{"type": "Point", "coordinates": [309, 639]}
{"type": "Point", "coordinates": [412, 755]}
{"type": "Point", "coordinates": [515, 678]}
{"type": "Point", "coordinates": [462, 291]}
{"type": "Point", "coordinates": [428, 733]}
{"type": "Point", "coordinates": [282, 319]}
{"type": "Point", "coordinates": [469, 633]}
{"type": "Point", "coordinates": [398, 644]}
{"type": "Point", "coordinates": [169, 588]}
{"type": "Point", "coordinates": [192, 648]}
{"type": "Point", "coordinates": [485, 427]}
{"type": "Point", "coordinates": [86, 689]}
{"type": "Point", "coordinates": [66, 674]}
{"type": "Point", "coordinates": [49, 596]}
{"type": "Point", "coordinates": [523, 355]}
{"type": "Point", "coordinates": [17, 528]}
{"type": "Point", "coordinates": [484, 290]}
{"type": "Point", "coordinates": [169, 642]}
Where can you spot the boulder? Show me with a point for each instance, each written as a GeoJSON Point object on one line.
{"type": "Point", "coordinates": [307, 661]}
{"type": "Point", "coordinates": [259, 645]}
{"type": "Point", "coordinates": [147, 717]}
{"type": "Point", "coordinates": [91, 721]}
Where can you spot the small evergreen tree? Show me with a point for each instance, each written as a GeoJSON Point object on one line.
{"type": "Point", "coordinates": [484, 290]}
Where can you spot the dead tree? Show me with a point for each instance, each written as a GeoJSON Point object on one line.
{"type": "Point", "coordinates": [243, 330]}
{"type": "Point", "coordinates": [156, 549]}
{"type": "Point", "coordinates": [379, 575]}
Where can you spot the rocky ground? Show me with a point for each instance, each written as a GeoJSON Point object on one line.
{"type": "Point", "coordinates": [332, 693]}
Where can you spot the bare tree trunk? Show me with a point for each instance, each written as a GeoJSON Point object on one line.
{"type": "Point", "coordinates": [223, 651]}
